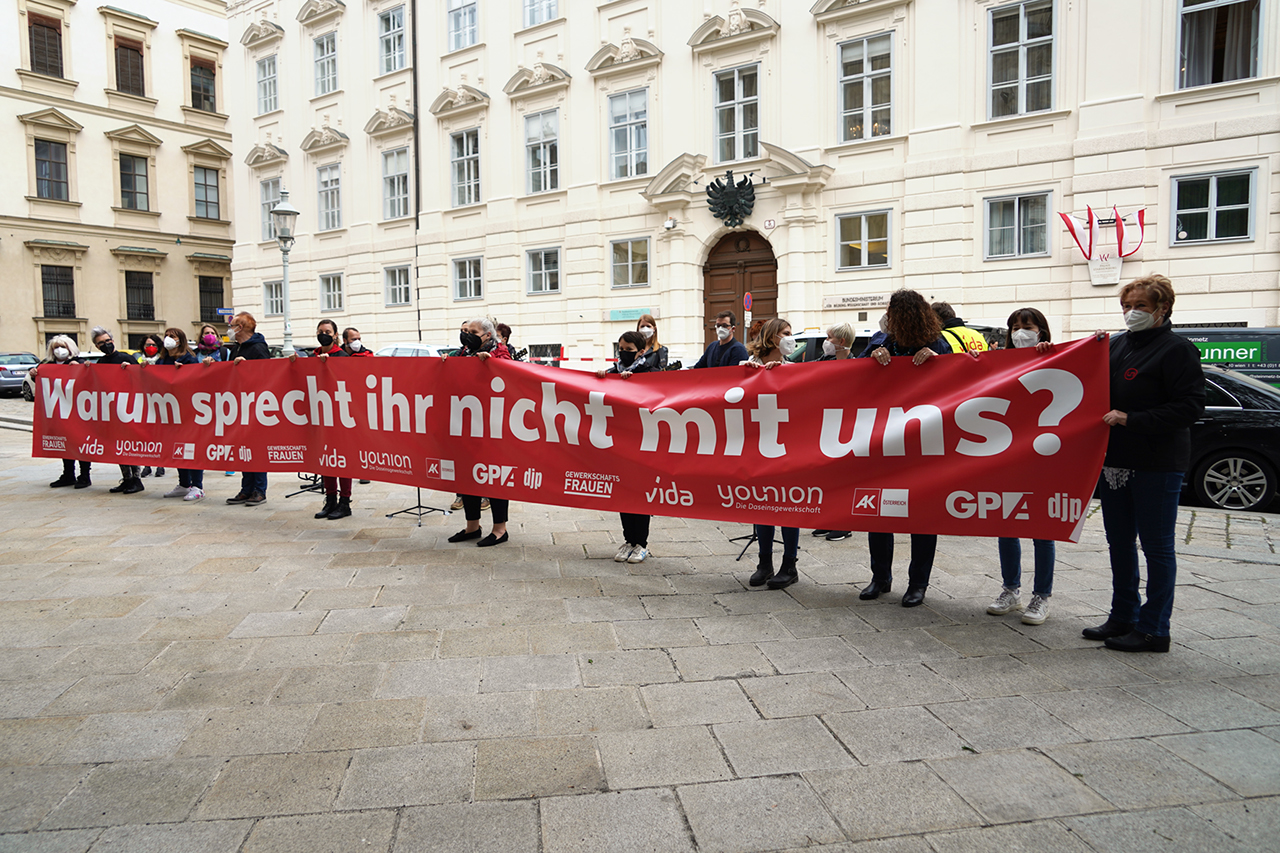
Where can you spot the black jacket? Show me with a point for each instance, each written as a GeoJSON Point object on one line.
{"type": "Point", "coordinates": [654, 359]}
{"type": "Point", "coordinates": [1157, 382]}
{"type": "Point", "coordinates": [118, 357]}
{"type": "Point", "coordinates": [723, 355]}
{"type": "Point", "coordinates": [254, 348]}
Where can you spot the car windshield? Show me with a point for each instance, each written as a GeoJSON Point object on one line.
{"type": "Point", "coordinates": [1254, 392]}
{"type": "Point", "coordinates": [22, 358]}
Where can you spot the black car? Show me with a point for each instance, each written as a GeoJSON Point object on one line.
{"type": "Point", "coordinates": [1235, 446]}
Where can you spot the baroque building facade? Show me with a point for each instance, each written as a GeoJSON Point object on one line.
{"type": "Point", "coordinates": [546, 162]}
{"type": "Point", "coordinates": [117, 204]}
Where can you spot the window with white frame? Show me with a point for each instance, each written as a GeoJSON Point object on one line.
{"type": "Point", "coordinates": [273, 298]}
{"type": "Point", "coordinates": [268, 94]}
{"type": "Point", "coordinates": [51, 170]}
{"type": "Point", "coordinates": [134, 193]}
{"type": "Point", "coordinates": [629, 134]}
{"type": "Point", "coordinates": [206, 189]}
{"type": "Point", "coordinates": [1017, 226]}
{"type": "Point", "coordinates": [395, 183]}
{"type": "Point", "coordinates": [1021, 58]}
{"type": "Point", "coordinates": [864, 240]}
{"type": "Point", "coordinates": [329, 186]}
{"type": "Point", "coordinates": [464, 148]}
{"type": "Point", "coordinates": [542, 154]}
{"type": "Point", "coordinates": [630, 262]}
{"type": "Point", "coordinates": [269, 193]}
{"type": "Point", "coordinates": [391, 40]}
{"type": "Point", "coordinates": [463, 29]}
{"type": "Point", "coordinates": [1217, 41]}
{"type": "Point", "coordinates": [468, 279]}
{"type": "Point", "coordinates": [331, 297]}
{"type": "Point", "coordinates": [538, 11]}
{"type": "Point", "coordinates": [395, 282]}
{"type": "Point", "coordinates": [326, 60]}
{"type": "Point", "coordinates": [544, 271]}
{"type": "Point", "coordinates": [866, 88]}
{"type": "Point", "coordinates": [737, 114]}
{"type": "Point", "coordinates": [1216, 207]}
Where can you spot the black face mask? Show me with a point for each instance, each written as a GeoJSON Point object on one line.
{"type": "Point", "coordinates": [626, 357]}
{"type": "Point", "coordinates": [326, 340]}
{"type": "Point", "coordinates": [470, 340]}
{"type": "Point", "coordinates": [107, 347]}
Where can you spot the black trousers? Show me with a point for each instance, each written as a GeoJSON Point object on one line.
{"type": "Point", "coordinates": [635, 528]}
{"type": "Point", "coordinates": [497, 506]}
{"type": "Point", "coordinates": [923, 546]}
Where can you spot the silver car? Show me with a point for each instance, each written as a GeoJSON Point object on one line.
{"type": "Point", "coordinates": [13, 367]}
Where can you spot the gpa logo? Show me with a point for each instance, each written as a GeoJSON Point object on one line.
{"type": "Point", "coordinates": [892, 503]}
{"type": "Point", "coordinates": [184, 451]}
{"type": "Point", "coordinates": [440, 469]}
{"type": "Point", "coordinates": [494, 475]}
{"type": "Point", "coordinates": [1002, 504]}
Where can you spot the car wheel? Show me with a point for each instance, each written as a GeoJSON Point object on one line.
{"type": "Point", "coordinates": [27, 393]}
{"type": "Point", "coordinates": [1235, 479]}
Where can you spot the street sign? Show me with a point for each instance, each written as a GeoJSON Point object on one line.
{"type": "Point", "coordinates": [746, 302]}
{"type": "Point", "coordinates": [226, 312]}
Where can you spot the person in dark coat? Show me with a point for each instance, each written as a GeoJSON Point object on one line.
{"type": "Point", "coordinates": [248, 345]}
{"type": "Point", "coordinates": [726, 350]}
{"type": "Point", "coordinates": [61, 349]}
{"type": "Point", "coordinates": [130, 482]}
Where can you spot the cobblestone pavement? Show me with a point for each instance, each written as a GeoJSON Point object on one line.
{"type": "Point", "coordinates": [205, 678]}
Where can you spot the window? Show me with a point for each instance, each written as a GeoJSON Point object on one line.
{"type": "Point", "coordinates": [268, 94]}
{"type": "Point", "coordinates": [631, 263]}
{"type": "Point", "coordinates": [548, 354]}
{"type": "Point", "coordinates": [45, 38]}
{"type": "Point", "coordinates": [326, 64]}
{"type": "Point", "coordinates": [1018, 226]}
{"type": "Point", "coordinates": [129, 76]}
{"type": "Point", "coordinates": [1021, 69]}
{"type": "Point", "coordinates": [465, 147]}
{"type": "Point", "coordinates": [139, 296]}
{"type": "Point", "coordinates": [210, 299]}
{"type": "Point", "coordinates": [269, 192]}
{"type": "Point", "coordinates": [1213, 207]}
{"type": "Point", "coordinates": [544, 271]}
{"type": "Point", "coordinates": [206, 193]}
{"type": "Point", "coordinates": [395, 183]}
{"type": "Point", "coordinates": [737, 114]}
{"type": "Point", "coordinates": [542, 155]}
{"type": "Point", "coordinates": [58, 284]}
{"type": "Point", "coordinates": [468, 282]}
{"type": "Point", "coordinates": [463, 31]}
{"type": "Point", "coordinates": [866, 88]}
{"type": "Point", "coordinates": [133, 182]}
{"type": "Point", "coordinates": [273, 298]}
{"type": "Point", "coordinates": [331, 292]}
{"type": "Point", "coordinates": [51, 170]}
{"type": "Point", "coordinates": [202, 86]}
{"type": "Point", "coordinates": [629, 134]}
{"type": "Point", "coordinates": [396, 283]}
{"type": "Point", "coordinates": [538, 11]}
{"type": "Point", "coordinates": [391, 40]}
{"type": "Point", "coordinates": [330, 192]}
{"type": "Point", "coordinates": [864, 240]}
{"type": "Point", "coordinates": [1218, 42]}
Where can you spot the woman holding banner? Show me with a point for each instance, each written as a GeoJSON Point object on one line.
{"type": "Point", "coordinates": [653, 353]}
{"type": "Point", "coordinates": [63, 350]}
{"type": "Point", "coordinates": [176, 352]}
{"type": "Point", "coordinates": [635, 527]}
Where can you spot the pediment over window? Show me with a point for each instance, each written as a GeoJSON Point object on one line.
{"type": "Point", "coordinates": [261, 34]}
{"type": "Point", "coordinates": [265, 154]}
{"type": "Point", "coordinates": [134, 133]}
{"type": "Point", "coordinates": [391, 120]}
{"type": "Point", "coordinates": [463, 99]}
{"type": "Point", "coordinates": [542, 77]}
{"type": "Point", "coordinates": [326, 138]}
{"type": "Point", "coordinates": [630, 55]}
{"type": "Point", "coordinates": [739, 27]}
{"type": "Point", "coordinates": [52, 118]}
{"type": "Point", "coordinates": [318, 11]}
{"type": "Point", "coordinates": [207, 148]}
{"type": "Point", "coordinates": [830, 11]}
{"type": "Point", "coordinates": [790, 172]}
{"type": "Point", "coordinates": [676, 177]}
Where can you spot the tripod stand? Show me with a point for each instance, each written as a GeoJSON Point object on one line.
{"type": "Point", "coordinates": [312, 484]}
{"type": "Point", "coordinates": [418, 510]}
{"type": "Point", "coordinates": [749, 538]}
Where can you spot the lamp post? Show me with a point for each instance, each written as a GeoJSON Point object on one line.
{"type": "Point", "coordinates": [283, 217]}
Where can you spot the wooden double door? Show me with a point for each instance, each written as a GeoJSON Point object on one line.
{"type": "Point", "coordinates": [741, 263]}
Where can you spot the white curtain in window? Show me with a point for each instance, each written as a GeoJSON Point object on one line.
{"type": "Point", "coordinates": [1241, 54]}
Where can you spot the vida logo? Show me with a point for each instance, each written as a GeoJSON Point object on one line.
{"type": "Point", "coordinates": [91, 447]}
{"type": "Point", "coordinates": [332, 459]}
{"type": "Point", "coordinates": [672, 495]}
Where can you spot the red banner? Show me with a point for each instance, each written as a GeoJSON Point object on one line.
{"type": "Point", "coordinates": [1009, 443]}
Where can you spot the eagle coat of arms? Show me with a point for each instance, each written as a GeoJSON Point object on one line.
{"type": "Point", "coordinates": [729, 201]}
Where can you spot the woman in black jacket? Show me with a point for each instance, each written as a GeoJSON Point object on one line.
{"type": "Point", "coordinates": [635, 527]}
{"type": "Point", "coordinates": [1157, 393]}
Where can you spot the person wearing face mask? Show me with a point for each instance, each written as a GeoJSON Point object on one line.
{"type": "Point", "coordinates": [247, 345]}
{"type": "Point", "coordinates": [63, 350]}
{"type": "Point", "coordinates": [152, 348]}
{"type": "Point", "coordinates": [106, 344]}
{"type": "Point", "coordinates": [725, 350]}
{"type": "Point", "coordinates": [1157, 393]}
{"type": "Point", "coordinates": [353, 346]}
{"type": "Point", "coordinates": [477, 338]}
{"type": "Point", "coordinates": [836, 347]}
{"type": "Point", "coordinates": [635, 527]}
{"type": "Point", "coordinates": [175, 354]}
{"type": "Point", "coordinates": [654, 353]}
{"type": "Point", "coordinates": [209, 345]}
{"type": "Point", "coordinates": [1028, 329]}
{"type": "Point", "coordinates": [337, 490]}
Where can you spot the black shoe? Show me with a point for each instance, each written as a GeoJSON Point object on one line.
{"type": "Point", "coordinates": [132, 487]}
{"type": "Point", "coordinates": [255, 499]}
{"type": "Point", "coordinates": [1110, 628]}
{"type": "Point", "coordinates": [365, 482]}
{"type": "Point", "coordinates": [787, 574]}
{"type": "Point", "coordinates": [330, 504]}
{"type": "Point", "coordinates": [160, 472]}
{"type": "Point", "coordinates": [146, 472]}
{"type": "Point", "coordinates": [1136, 642]}
{"type": "Point", "coordinates": [914, 596]}
{"type": "Point", "coordinates": [821, 532]}
{"type": "Point", "coordinates": [838, 535]}
{"type": "Point", "coordinates": [64, 480]}
{"type": "Point", "coordinates": [341, 509]}
{"type": "Point", "coordinates": [83, 481]}
{"type": "Point", "coordinates": [491, 540]}
{"type": "Point", "coordinates": [463, 535]}
{"type": "Point", "coordinates": [764, 571]}
{"type": "Point", "coordinates": [124, 484]}
{"type": "Point", "coordinates": [876, 588]}
{"type": "Point", "coordinates": [240, 498]}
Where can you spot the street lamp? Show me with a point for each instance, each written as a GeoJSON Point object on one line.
{"type": "Point", "coordinates": [283, 217]}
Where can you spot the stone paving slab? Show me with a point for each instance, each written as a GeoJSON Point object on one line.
{"type": "Point", "coordinates": [206, 679]}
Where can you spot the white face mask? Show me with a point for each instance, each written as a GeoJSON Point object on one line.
{"type": "Point", "coordinates": [1137, 321]}
{"type": "Point", "coordinates": [828, 348]}
{"type": "Point", "coordinates": [787, 345]}
{"type": "Point", "coordinates": [1025, 338]}
{"type": "Point", "coordinates": [170, 343]}
{"type": "Point", "coordinates": [646, 332]}
{"type": "Point", "coordinates": [723, 332]}
{"type": "Point", "coordinates": [355, 345]}
{"type": "Point", "coordinates": [61, 353]}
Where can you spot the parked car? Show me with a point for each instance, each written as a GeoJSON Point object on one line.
{"type": "Point", "coordinates": [29, 384]}
{"type": "Point", "coordinates": [1249, 350]}
{"type": "Point", "coordinates": [1235, 446]}
{"type": "Point", "coordinates": [13, 367]}
{"type": "Point", "coordinates": [418, 350]}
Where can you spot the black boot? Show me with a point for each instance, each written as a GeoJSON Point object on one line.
{"type": "Point", "coordinates": [764, 570]}
{"type": "Point", "coordinates": [68, 477]}
{"type": "Point", "coordinates": [787, 574]}
{"type": "Point", "coordinates": [876, 588]}
{"type": "Point", "coordinates": [1111, 628]}
{"type": "Point", "coordinates": [83, 481]}
{"type": "Point", "coordinates": [330, 502]}
{"type": "Point", "coordinates": [342, 510]}
{"type": "Point", "coordinates": [132, 487]}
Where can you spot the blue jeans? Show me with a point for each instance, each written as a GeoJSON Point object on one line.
{"type": "Point", "coordinates": [923, 546]}
{"type": "Point", "coordinates": [1011, 564]}
{"type": "Point", "coordinates": [790, 541]}
{"type": "Point", "coordinates": [188, 477]}
{"type": "Point", "coordinates": [1144, 508]}
{"type": "Point", "coordinates": [251, 481]}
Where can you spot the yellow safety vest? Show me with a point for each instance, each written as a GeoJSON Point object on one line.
{"type": "Point", "coordinates": [964, 339]}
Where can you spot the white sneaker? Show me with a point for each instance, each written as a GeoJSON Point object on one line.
{"type": "Point", "coordinates": [1006, 601]}
{"type": "Point", "coordinates": [638, 554]}
{"type": "Point", "coordinates": [194, 494]}
{"type": "Point", "coordinates": [1037, 611]}
{"type": "Point", "coordinates": [177, 492]}
{"type": "Point", "coordinates": [623, 553]}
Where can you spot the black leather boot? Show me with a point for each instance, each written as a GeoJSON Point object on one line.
{"type": "Point", "coordinates": [764, 571]}
{"type": "Point", "coordinates": [68, 477]}
{"type": "Point", "coordinates": [341, 510]}
{"type": "Point", "coordinates": [83, 481]}
{"type": "Point", "coordinates": [1111, 628]}
{"type": "Point", "coordinates": [330, 503]}
{"type": "Point", "coordinates": [876, 588]}
{"type": "Point", "coordinates": [787, 574]}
